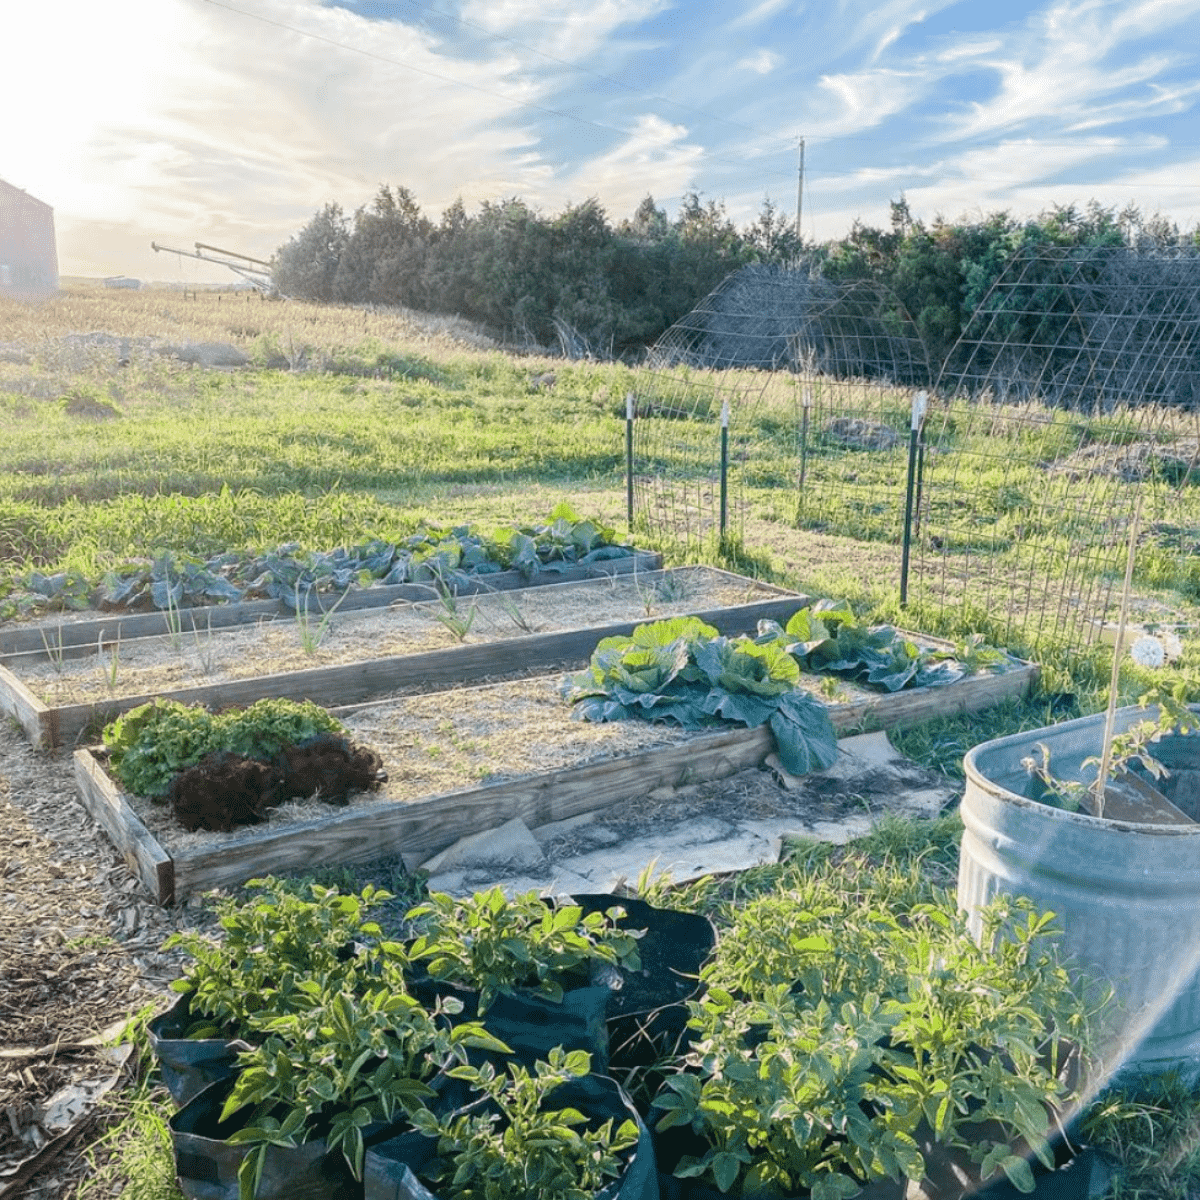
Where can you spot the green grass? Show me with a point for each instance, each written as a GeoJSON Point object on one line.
{"type": "Point", "coordinates": [133, 1158]}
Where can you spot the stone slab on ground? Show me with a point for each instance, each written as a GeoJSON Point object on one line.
{"type": "Point", "coordinates": [702, 829]}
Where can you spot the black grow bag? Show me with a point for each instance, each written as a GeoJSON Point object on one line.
{"type": "Point", "coordinates": [392, 1167]}
{"type": "Point", "coordinates": [1069, 1178]}
{"type": "Point", "coordinates": [670, 1145]}
{"type": "Point", "coordinates": [647, 1012]}
{"type": "Point", "coordinates": [189, 1065]}
{"type": "Point", "coordinates": [207, 1165]}
{"type": "Point", "coordinates": [950, 1173]}
{"type": "Point", "coordinates": [529, 1024]}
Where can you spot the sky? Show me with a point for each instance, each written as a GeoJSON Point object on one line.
{"type": "Point", "coordinates": [231, 122]}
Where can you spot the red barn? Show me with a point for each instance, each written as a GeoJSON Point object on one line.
{"type": "Point", "coordinates": [28, 253]}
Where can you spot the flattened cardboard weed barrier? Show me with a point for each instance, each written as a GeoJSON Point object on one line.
{"type": "Point", "coordinates": [580, 772]}
{"type": "Point", "coordinates": [490, 653]}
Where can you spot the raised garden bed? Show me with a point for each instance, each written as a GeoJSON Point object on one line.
{"type": "Point", "coordinates": [443, 753]}
{"type": "Point", "coordinates": [59, 700]}
{"type": "Point", "coordinates": [80, 635]}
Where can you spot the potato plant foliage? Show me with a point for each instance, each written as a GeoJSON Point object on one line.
{"type": "Point", "coordinates": [495, 945]}
{"type": "Point", "coordinates": [837, 1029]}
{"type": "Point", "coordinates": [524, 1142]}
{"type": "Point", "coordinates": [270, 943]}
{"type": "Point", "coordinates": [681, 670]}
{"type": "Point", "coordinates": [340, 1062]}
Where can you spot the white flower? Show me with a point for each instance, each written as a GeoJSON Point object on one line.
{"type": "Point", "coordinates": [1172, 645]}
{"type": "Point", "coordinates": [1148, 651]}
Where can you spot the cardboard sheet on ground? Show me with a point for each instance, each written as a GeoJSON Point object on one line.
{"type": "Point", "coordinates": [686, 832]}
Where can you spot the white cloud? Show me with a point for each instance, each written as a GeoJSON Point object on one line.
{"type": "Point", "coordinates": [656, 158]}
{"type": "Point", "coordinates": [759, 13]}
{"type": "Point", "coordinates": [761, 62]}
{"type": "Point", "coordinates": [969, 48]}
{"type": "Point", "coordinates": [1061, 68]}
{"type": "Point", "coordinates": [1019, 176]}
{"type": "Point", "coordinates": [896, 32]}
{"type": "Point", "coordinates": [880, 25]}
{"type": "Point", "coordinates": [183, 120]}
{"type": "Point", "coordinates": [865, 99]}
{"type": "Point", "coordinates": [571, 34]}
{"type": "Point", "coordinates": [188, 120]}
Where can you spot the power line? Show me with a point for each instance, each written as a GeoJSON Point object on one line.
{"type": "Point", "coordinates": [395, 62]}
{"type": "Point", "coordinates": [1114, 145]}
{"type": "Point", "coordinates": [574, 66]}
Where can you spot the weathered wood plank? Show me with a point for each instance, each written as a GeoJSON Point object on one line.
{"type": "Point", "coordinates": [921, 704]}
{"type": "Point", "coordinates": [109, 640]}
{"type": "Point", "coordinates": [34, 717]}
{"type": "Point", "coordinates": [353, 682]}
{"type": "Point", "coordinates": [111, 811]}
{"type": "Point", "coordinates": [419, 828]}
{"type": "Point", "coordinates": [74, 637]}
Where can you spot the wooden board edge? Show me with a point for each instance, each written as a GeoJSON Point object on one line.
{"type": "Point", "coordinates": [416, 830]}
{"type": "Point", "coordinates": [116, 634]}
{"type": "Point", "coordinates": [199, 619]}
{"type": "Point", "coordinates": [38, 720]}
{"type": "Point", "coordinates": [102, 799]}
{"type": "Point", "coordinates": [464, 664]}
{"type": "Point", "coordinates": [733, 579]}
{"type": "Point", "coordinates": [446, 665]}
{"type": "Point", "coordinates": [911, 707]}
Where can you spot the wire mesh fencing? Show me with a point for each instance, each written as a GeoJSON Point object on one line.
{"type": "Point", "coordinates": [1074, 387]}
{"type": "Point", "coordinates": [801, 372]}
{"type": "Point", "coordinates": [1072, 390]}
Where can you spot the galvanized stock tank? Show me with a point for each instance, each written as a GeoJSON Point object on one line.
{"type": "Point", "coordinates": [1126, 895]}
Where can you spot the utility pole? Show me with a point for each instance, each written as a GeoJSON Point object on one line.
{"type": "Point", "coordinates": [800, 196]}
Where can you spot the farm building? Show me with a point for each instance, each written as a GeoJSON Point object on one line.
{"type": "Point", "coordinates": [28, 254]}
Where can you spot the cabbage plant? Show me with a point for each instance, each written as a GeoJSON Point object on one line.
{"type": "Point", "coordinates": [683, 671]}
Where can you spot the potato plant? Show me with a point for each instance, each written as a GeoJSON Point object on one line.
{"type": "Point", "coordinates": [836, 1031]}
{"type": "Point", "coordinates": [496, 945]}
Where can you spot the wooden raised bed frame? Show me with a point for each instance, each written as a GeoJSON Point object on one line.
{"type": "Point", "coordinates": [417, 829]}
{"type": "Point", "coordinates": [84, 635]}
{"type": "Point", "coordinates": [349, 683]}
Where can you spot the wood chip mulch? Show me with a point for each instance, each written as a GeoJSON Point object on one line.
{"type": "Point", "coordinates": [79, 953]}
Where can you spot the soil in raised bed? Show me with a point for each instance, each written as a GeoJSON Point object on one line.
{"type": "Point", "coordinates": [449, 741]}
{"type": "Point", "coordinates": [161, 664]}
{"type": "Point", "coordinates": [446, 742]}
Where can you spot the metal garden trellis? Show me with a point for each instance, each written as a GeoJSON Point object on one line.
{"type": "Point", "coordinates": [1092, 352]}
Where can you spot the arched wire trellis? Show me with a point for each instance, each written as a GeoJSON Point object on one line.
{"type": "Point", "coordinates": [805, 370]}
{"type": "Point", "coordinates": [1093, 356]}
{"type": "Point", "coordinates": [1090, 354]}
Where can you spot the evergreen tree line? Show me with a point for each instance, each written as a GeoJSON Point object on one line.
{"type": "Point", "coordinates": [577, 281]}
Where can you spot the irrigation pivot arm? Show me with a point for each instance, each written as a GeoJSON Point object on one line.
{"type": "Point", "coordinates": [232, 254]}
{"type": "Point", "coordinates": [257, 275]}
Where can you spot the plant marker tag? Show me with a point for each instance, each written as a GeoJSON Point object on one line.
{"type": "Point", "coordinates": [920, 406]}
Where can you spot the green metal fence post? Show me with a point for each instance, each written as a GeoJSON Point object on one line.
{"type": "Point", "coordinates": [919, 405]}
